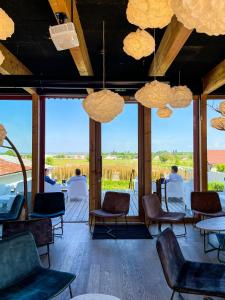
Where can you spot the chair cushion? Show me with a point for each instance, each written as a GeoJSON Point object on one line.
{"type": "Point", "coordinates": [170, 217]}
{"type": "Point", "coordinates": [38, 215]}
{"type": "Point", "coordinates": [202, 278]}
{"type": "Point", "coordinates": [40, 285]}
{"type": "Point", "coordinates": [105, 214]}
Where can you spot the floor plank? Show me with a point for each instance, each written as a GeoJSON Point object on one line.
{"type": "Point", "coordinates": [127, 269]}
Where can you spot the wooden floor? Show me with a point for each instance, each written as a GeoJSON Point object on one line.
{"type": "Point", "coordinates": [77, 210]}
{"type": "Point", "coordinates": [127, 269]}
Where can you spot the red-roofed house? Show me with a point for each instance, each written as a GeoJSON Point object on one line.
{"type": "Point", "coordinates": [7, 167]}
{"type": "Point", "coordinates": [215, 157]}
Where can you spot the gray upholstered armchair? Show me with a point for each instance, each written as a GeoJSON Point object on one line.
{"type": "Point", "coordinates": [21, 274]}
{"type": "Point", "coordinates": [188, 277]}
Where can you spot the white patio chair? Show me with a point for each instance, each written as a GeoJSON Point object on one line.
{"type": "Point", "coordinates": [188, 188]}
{"type": "Point", "coordinates": [52, 188]}
{"type": "Point", "coordinates": [20, 187]}
{"type": "Point", "coordinates": [78, 190]}
{"type": "Point", "coordinates": [175, 189]}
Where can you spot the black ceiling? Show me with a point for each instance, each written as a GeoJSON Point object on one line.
{"type": "Point", "coordinates": [31, 44]}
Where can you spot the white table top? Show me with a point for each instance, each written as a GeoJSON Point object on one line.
{"type": "Point", "coordinates": [8, 200]}
{"type": "Point", "coordinates": [212, 224]}
{"type": "Point", "coordinates": [95, 297]}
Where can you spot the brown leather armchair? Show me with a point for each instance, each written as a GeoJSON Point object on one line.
{"type": "Point", "coordinates": [114, 205]}
{"type": "Point", "coordinates": [155, 213]}
{"type": "Point", "coordinates": [206, 204]}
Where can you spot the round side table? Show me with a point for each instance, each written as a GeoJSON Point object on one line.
{"type": "Point", "coordinates": [95, 297]}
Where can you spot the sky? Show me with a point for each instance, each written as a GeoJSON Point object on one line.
{"type": "Point", "coordinates": [67, 128]}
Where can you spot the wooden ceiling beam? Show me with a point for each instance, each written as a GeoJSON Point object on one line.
{"type": "Point", "coordinates": [12, 66]}
{"type": "Point", "coordinates": [79, 54]}
{"type": "Point", "coordinates": [172, 42]}
{"type": "Point", "coordinates": [214, 79]}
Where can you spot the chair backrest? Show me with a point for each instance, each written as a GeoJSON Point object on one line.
{"type": "Point", "coordinates": [115, 202]}
{"type": "Point", "coordinates": [19, 258]}
{"type": "Point", "coordinates": [52, 188]}
{"type": "Point", "coordinates": [4, 189]}
{"type": "Point", "coordinates": [175, 189]}
{"type": "Point", "coordinates": [16, 207]}
{"type": "Point", "coordinates": [40, 228]}
{"type": "Point", "coordinates": [152, 206]}
{"type": "Point", "coordinates": [170, 255]}
{"type": "Point", "coordinates": [49, 203]}
{"type": "Point", "coordinates": [78, 189]}
{"type": "Point", "coordinates": [205, 202]}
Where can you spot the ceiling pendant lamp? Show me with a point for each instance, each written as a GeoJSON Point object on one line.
{"type": "Point", "coordinates": [103, 106]}
{"type": "Point", "coordinates": [3, 134]}
{"type": "Point", "coordinates": [149, 13]}
{"type": "Point", "coordinates": [154, 94]}
{"type": "Point", "coordinates": [164, 112]}
{"type": "Point", "coordinates": [139, 44]}
{"type": "Point", "coordinates": [218, 123]}
{"type": "Point", "coordinates": [182, 96]}
{"type": "Point", "coordinates": [2, 57]}
{"type": "Point", "coordinates": [222, 108]}
{"type": "Point", "coordinates": [6, 25]}
{"type": "Point", "coordinates": [206, 16]}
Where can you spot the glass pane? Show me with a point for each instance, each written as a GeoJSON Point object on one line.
{"type": "Point", "coordinates": [215, 150]}
{"type": "Point", "coordinates": [172, 145]}
{"type": "Point", "coordinates": [120, 158]}
{"type": "Point", "coordinates": [67, 149]}
{"type": "Point", "coordinates": [16, 117]}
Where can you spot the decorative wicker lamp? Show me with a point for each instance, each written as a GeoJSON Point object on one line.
{"type": "Point", "coordinates": [103, 106]}
{"type": "Point", "coordinates": [139, 44]}
{"type": "Point", "coordinates": [2, 57]}
{"type": "Point", "coordinates": [3, 136]}
{"type": "Point", "coordinates": [6, 25]}
{"type": "Point", "coordinates": [154, 94]}
{"type": "Point", "coordinates": [182, 96]}
{"type": "Point", "coordinates": [218, 123]}
{"type": "Point", "coordinates": [206, 16]}
{"type": "Point", "coordinates": [222, 108]}
{"type": "Point", "coordinates": [149, 13]}
{"type": "Point", "coordinates": [164, 112]}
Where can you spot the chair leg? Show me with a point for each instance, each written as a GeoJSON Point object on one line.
{"type": "Point", "coordinates": [90, 225]}
{"type": "Point", "coordinates": [126, 222]}
{"type": "Point", "coordinates": [62, 224]}
{"type": "Point", "coordinates": [71, 294]}
{"type": "Point", "coordinates": [116, 227]}
{"type": "Point", "coordinates": [48, 255]}
{"type": "Point", "coordinates": [172, 296]}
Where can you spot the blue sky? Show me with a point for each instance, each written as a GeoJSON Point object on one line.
{"type": "Point", "coordinates": [67, 128]}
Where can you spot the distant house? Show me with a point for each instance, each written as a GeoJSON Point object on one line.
{"type": "Point", "coordinates": [215, 157]}
{"type": "Point", "coordinates": [111, 157]}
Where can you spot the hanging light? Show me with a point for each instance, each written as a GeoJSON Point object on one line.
{"type": "Point", "coordinates": [139, 44]}
{"type": "Point", "coordinates": [218, 123]}
{"type": "Point", "coordinates": [154, 94]}
{"type": "Point", "coordinates": [182, 96]}
{"type": "Point", "coordinates": [222, 108]}
{"type": "Point", "coordinates": [6, 25]}
{"type": "Point", "coordinates": [164, 112]}
{"type": "Point", "coordinates": [3, 134]}
{"type": "Point", "coordinates": [206, 16]}
{"type": "Point", "coordinates": [149, 13]}
{"type": "Point", "coordinates": [2, 57]}
{"type": "Point", "coordinates": [103, 106]}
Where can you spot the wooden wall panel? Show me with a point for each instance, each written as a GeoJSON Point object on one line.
{"type": "Point", "coordinates": [35, 144]}
{"type": "Point", "coordinates": [196, 140]}
{"type": "Point", "coordinates": [203, 144]}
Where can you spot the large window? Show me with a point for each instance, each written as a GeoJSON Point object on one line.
{"type": "Point", "coordinates": [120, 155]}
{"type": "Point", "coordinates": [215, 149]}
{"type": "Point", "coordinates": [172, 145]}
{"type": "Point", "coordinates": [16, 117]}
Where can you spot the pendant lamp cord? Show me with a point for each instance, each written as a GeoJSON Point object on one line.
{"type": "Point", "coordinates": [71, 10]}
{"type": "Point", "coordinates": [154, 56]}
{"type": "Point", "coordinates": [103, 55]}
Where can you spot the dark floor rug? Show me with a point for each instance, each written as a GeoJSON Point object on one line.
{"type": "Point", "coordinates": [131, 232]}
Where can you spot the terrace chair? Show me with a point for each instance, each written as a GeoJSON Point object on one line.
{"type": "Point", "coordinates": [188, 277]}
{"type": "Point", "coordinates": [49, 205]}
{"type": "Point", "coordinates": [155, 213]}
{"type": "Point", "coordinates": [78, 190]}
{"type": "Point", "coordinates": [40, 228]}
{"type": "Point", "coordinates": [21, 274]}
{"type": "Point", "coordinates": [206, 204]}
{"type": "Point", "coordinates": [114, 205]}
{"type": "Point", "coordinates": [15, 211]}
